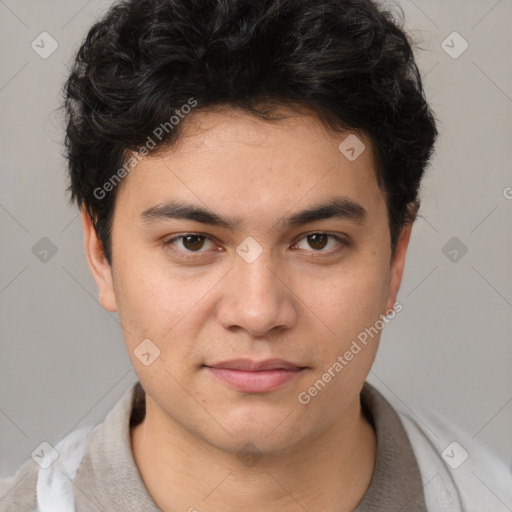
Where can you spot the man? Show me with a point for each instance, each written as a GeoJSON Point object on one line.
{"type": "Point", "coordinates": [248, 177]}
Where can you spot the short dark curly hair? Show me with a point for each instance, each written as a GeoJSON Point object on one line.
{"type": "Point", "coordinates": [348, 61]}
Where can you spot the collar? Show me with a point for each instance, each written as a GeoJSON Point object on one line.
{"type": "Point", "coordinates": [108, 477]}
{"type": "Point", "coordinates": [396, 484]}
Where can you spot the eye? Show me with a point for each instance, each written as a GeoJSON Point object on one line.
{"type": "Point", "coordinates": [188, 243]}
{"type": "Point", "coordinates": [319, 241]}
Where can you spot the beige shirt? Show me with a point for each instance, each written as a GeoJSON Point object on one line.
{"type": "Point", "coordinates": [108, 478]}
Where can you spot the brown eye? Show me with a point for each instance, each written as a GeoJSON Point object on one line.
{"type": "Point", "coordinates": [321, 242]}
{"type": "Point", "coordinates": [318, 240]}
{"type": "Point", "coordinates": [193, 242]}
{"type": "Point", "coordinates": [189, 244]}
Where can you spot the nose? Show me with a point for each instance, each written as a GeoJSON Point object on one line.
{"type": "Point", "coordinates": [256, 298]}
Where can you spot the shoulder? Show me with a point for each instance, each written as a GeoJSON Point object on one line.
{"type": "Point", "coordinates": [18, 491]}
{"type": "Point", "coordinates": [48, 483]}
{"type": "Point", "coordinates": [455, 467]}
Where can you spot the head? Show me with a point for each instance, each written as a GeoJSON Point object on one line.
{"type": "Point", "coordinates": [239, 122]}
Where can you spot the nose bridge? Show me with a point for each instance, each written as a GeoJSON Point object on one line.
{"type": "Point", "coordinates": [257, 280]}
{"type": "Point", "coordinates": [257, 300]}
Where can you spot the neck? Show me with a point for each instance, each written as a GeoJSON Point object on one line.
{"type": "Point", "coordinates": [183, 472]}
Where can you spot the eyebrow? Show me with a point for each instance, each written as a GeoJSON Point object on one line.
{"type": "Point", "coordinates": [340, 207]}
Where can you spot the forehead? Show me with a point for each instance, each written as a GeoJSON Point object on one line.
{"type": "Point", "coordinates": [299, 133]}
{"type": "Point", "coordinates": [229, 157]}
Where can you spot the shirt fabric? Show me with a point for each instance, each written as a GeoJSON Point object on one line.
{"type": "Point", "coordinates": [411, 473]}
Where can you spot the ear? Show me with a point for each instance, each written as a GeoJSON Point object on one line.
{"type": "Point", "coordinates": [98, 265]}
{"type": "Point", "coordinates": [398, 264]}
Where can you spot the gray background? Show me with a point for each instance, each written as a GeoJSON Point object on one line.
{"type": "Point", "coordinates": [62, 357]}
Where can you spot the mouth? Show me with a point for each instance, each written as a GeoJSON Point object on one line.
{"type": "Point", "coordinates": [250, 376]}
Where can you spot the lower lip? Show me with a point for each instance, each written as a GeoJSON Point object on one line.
{"type": "Point", "coordinates": [255, 382]}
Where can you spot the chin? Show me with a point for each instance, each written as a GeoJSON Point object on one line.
{"type": "Point", "coordinates": [264, 434]}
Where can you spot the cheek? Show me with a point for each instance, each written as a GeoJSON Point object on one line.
{"type": "Point", "coordinates": [351, 301]}
{"type": "Point", "coordinates": [151, 304]}
{"type": "Point", "coordinates": [163, 305]}
{"type": "Point", "coordinates": [351, 307]}
{"type": "Point", "coordinates": [156, 308]}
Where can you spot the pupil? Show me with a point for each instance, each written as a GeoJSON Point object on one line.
{"type": "Point", "coordinates": [192, 245]}
{"type": "Point", "coordinates": [313, 241]}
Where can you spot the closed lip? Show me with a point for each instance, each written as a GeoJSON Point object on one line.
{"type": "Point", "coordinates": [249, 365]}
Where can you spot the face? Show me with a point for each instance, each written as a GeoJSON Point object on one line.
{"type": "Point", "coordinates": [253, 277]}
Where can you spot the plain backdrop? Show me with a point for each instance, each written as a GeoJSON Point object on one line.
{"type": "Point", "coordinates": [62, 358]}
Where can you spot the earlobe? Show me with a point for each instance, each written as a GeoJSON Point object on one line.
{"type": "Point", "coordinates": [398, 264]}
{"type": "Point", "coordinates": [100, 269]}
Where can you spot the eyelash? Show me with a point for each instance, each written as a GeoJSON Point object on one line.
{"type": "Point", "coordinates": [192, 254]}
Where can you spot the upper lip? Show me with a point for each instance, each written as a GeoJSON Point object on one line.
{"type": "Point", "coordinates": [254, 366]}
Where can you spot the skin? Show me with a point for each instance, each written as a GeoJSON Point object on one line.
{"type": "Point", "coordinates": [300, 301]}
